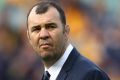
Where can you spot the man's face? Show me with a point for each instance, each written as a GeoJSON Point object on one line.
{"type": "Point", "coordinates": [46, 33]}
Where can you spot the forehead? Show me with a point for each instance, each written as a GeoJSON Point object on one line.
{"type": "Point", "coordinates": [50, 15]}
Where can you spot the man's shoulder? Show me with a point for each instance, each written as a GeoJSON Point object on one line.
{"type": "Point", "coordinates": [77, 67]}
{"type": "Point", "coordinates": [82, 62]}
{"type": "Point", "coordinates": [83, 67]}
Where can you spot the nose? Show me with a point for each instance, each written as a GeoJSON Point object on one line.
{"type": "Point", "coordinates": [44, 34]}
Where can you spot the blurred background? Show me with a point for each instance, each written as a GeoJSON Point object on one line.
{"type": "Point", "coordinates": [95, 31]}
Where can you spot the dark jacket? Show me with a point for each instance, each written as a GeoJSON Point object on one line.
{"type": "Point", "coordinates": [78, 67]}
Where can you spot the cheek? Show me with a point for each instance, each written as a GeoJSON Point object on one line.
{"type": "Point", "coordinates": [58, 38]}
{"type": "Point", "coordinates": [34, 40]}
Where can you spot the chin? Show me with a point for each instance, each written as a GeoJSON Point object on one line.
{"type": "Point", "coordinates": [44, 54]}
{"type": "Point", "coordinates": [46, 58]}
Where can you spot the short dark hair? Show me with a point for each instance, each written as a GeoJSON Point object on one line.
{"type": "Point", "coordinates": [43, 7]}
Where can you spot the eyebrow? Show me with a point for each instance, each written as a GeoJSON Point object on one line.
{"type": "Point", "coordinates": [35, 27]}
{"type": "Point", "coordinates": [50, 24]}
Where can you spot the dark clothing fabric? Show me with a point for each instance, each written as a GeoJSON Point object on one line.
{"type": "Point", "coordinates": [46, 76]}
{"type": "Point", "coordinates": [78, 67]}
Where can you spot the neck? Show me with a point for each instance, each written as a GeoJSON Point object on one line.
{"type": "Point", "coordinates": [49, 63]}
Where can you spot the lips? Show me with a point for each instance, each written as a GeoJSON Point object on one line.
{"type": "Point", "coordinates": [45, 45]}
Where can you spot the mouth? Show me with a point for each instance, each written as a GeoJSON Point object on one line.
{"type": "Point", "coordinates": [45, 45]}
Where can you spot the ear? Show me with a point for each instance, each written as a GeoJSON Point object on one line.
{"type": "Point", "coordinates": [67, 29]}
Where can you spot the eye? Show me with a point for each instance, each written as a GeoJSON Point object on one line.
{"type": "Point", "coordinates": [50, 26]}
{"type": "Point", "coordinates": [35, 28]}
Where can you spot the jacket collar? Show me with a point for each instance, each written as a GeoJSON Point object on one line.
{"type": "Point", "coordinates": [68, 65]}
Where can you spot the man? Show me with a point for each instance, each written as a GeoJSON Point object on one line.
{"type": "Point", "coordinates": [48, 34]}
